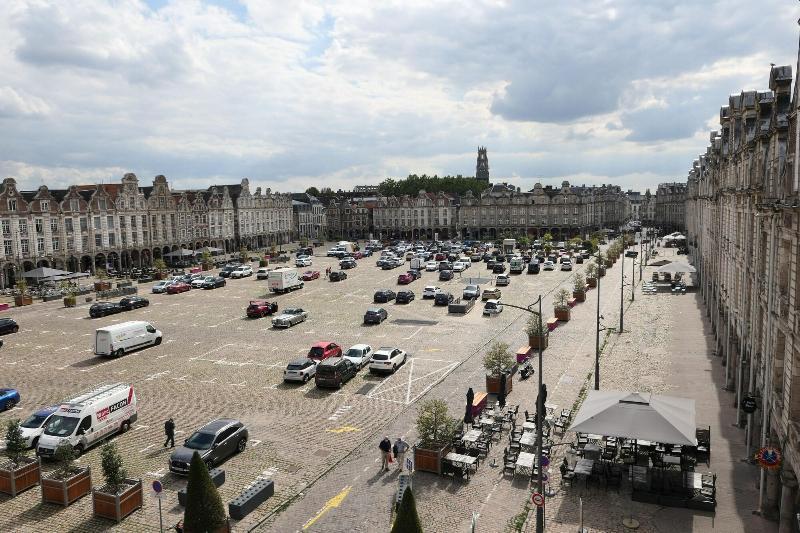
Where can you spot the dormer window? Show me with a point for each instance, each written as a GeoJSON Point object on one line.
{"type": "Point", "coordinates": [74, 204]}
{"type": "Point", "coordinates": [44, 205]}
{"type": "Point", "coordinates": [101, 203]}
{"type": "Point", "coordinates": [12, 204]}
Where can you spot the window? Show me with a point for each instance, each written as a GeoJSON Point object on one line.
{"type": "Point", "coordinates": [70, 244]}
{"type": "Point", "coordinates": [23, 244]}
{"type": "Point", "coordinates": [12, 204]}
{"type": "Point", "coordinates": [101, 203]}
{"type": "Point", "coordinates": [112, 239]}
{"type": "Point", "coordinates": [110, 222]}
{"type": "Point", "coordinates": [56, 244]}
{"type": "Point", "coordinates": [53, 225]}
{"type": "Point", "coordinates": [7, 248]}
{"type": "Point", "coordinates": [40, 245]}
{"type": "Point", "coordinates": [85, 242]}
{"type": "Point", "coordinates": [39, 225]}
{"type": "Point", "coordinates": [161, 201]}
{"type": "Point", "coordinates": [68, 225]}
{"type": "Point", "coordinates": [84, 225]}
{"type": "Point", "coordinates": [23, 227]}
{"type": "Point", "coordinates": [98, 240]}
{"type": "Point", "coordinates": [6, 227]}
{"type": "Point", "coordinates": [74, 204]}
{"type": "Point", "coordinates": [44, 205]}
{"type": "Point", "coordinates": [96, 223]}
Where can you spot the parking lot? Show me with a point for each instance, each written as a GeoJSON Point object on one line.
{"type": "Point", "coordinates": [215, 362]}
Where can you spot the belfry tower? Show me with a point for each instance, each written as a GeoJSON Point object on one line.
{"type": "Point", "coordinates": [482, 168]}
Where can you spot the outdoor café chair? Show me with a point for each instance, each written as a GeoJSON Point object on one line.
{"type": "Point", "coordinates": [509, 466]}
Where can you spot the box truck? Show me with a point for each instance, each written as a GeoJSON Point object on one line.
{"type": "Point", "coordinates": [283, 280]}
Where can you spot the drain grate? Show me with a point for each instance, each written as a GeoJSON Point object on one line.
{"type": "Point", "coordinates": [366, 388]}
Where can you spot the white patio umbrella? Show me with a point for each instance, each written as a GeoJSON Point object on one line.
{"type": "Point", "coordinates": [44, 273]}
{"type": "Point", "coordinates": [183, 252]}
{"type": "Point", "coordinates": [677, 268]}
{"type": "Point", "coordinates": [638, 415]}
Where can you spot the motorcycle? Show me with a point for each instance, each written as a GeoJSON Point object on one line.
{"type": "Point", "coordinates": [526, 371]}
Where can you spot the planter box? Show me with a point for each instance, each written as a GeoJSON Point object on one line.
{"type": "Point", "coordinates": [580, 296]}
{"type": "Point", "coordinates": [430, 460]}
{"type": "Point", "coordinates": [493, 384]}
{"type": "Point", "coordinates": [592, 282]}
{"type": "Point", "coordinates": [538, 341]}
{"type": "Point", "coordinates": [65, 491]}
{"type": "Point", "coordinates": [70, 301]}
{"type": "Point", "coordinates": [20, 300]}
{"type": "Point", "coordinates": [562, 314]}
{"type": "Point", "coordinates": [609, 263]}
{"type": "Point", "coordinates": [102, 286]}
{"type": "Point", "coordinates": [118, 506]}
{"type": "Point", "coordinates": [24, 477]}
{"type": "Point", "coordinates": [602, 272]}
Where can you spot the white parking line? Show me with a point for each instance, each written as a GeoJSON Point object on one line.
{"type": "Point", "coordinates": [221, 323]}
{"type": "Point", "coordinates": [145, 449]}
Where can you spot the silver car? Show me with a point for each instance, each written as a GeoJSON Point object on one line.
{"type": "Point", "coordinates": [289, 317]}
{"type": "Point", "coordinates": [300, 370]}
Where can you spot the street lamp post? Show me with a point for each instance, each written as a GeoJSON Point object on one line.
{"type": "Point", "coordinates": [622, 287]}
{"type": "Point", "coordinates": [597, 332]}
{"type": "Point", "coordinates": [633, 275]}
{"type": "Point", "coordinates": [539, 415]}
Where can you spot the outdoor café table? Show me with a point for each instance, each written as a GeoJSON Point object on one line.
{"type": "Point", "coordinates": [486, 421]}
{"type": "Point", "coordinates": [583, 469]}
{"type": "Point", "coordinates": [528, 440]}
{"type": "Point", "coordinates": [465, 460]}
{"type": "Point", "coordinates": [671, 460]}
{"type": "Point", "coordinates": [591, 451]}
{"type": "Point", "coordinates": [525, 463]}
{"type": "Point", "coordinates": [693, 480]}
{"type": "Point", "coordinates": [529, 426]}
{"type": "Point", "coordinates": [471, 437]}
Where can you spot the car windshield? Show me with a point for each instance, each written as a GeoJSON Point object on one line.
{"type": "Point", "coordinates": [296, 366]}
{"type": "Point", "coordinates": [34, 421]}
{"type": "Point", "coordinates": [200, 441]}
{"type": "Point", "coordinates": [292, 311]}
{"type": "Point", "coordinates": [491, 305]}
{"type": "Point", "coordinates": [209, 278]}
{"type": "Point", "coordinates": [316, 351]}
{"type": "Point", "coordinates": [61, 426]}
{"type": "Point", "coordinates": [353, 352]}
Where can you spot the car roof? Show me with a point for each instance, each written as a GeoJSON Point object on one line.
{"type": "Point", "coordinates": [321, 344]}
{"type": "Point", "coordinates": [374, 309]}
{"type": "Point", "coordinates": [44, 411]}
{"type": "Point", "coordinates": [331, 361]}
{"type": "Point", "coordinates": [216, 425]}
{"type": "Point", "coordinates": [385, 349]}
{"type": "Point", "coordinates": [360, 346]}
{"type": "Point", "coordinates": [301, 361]}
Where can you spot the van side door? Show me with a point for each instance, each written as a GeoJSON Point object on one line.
{"type": "Point", "coordinates": [85, 429]}
{"type": "Point", "coordinates": [150, 334]}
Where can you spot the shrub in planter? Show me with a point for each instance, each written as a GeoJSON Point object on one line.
{"type": "Point", "coordinates": [66, 483]}
{"type": "Point", "coordinates": [591, 275]}
{"type": "Point", "coordinates": [435, 428]}
{"type": "Point", "coordinates": [407, 519]}
{"type": "Point", "coordinates": [68, 289]}
{"type": "Point", "coordinates": [579, 288]}
{"type": "Point", "coordinates": [204, 509]}
{"type": "Point", "coordinates": [120, 496]}
{"type": "Point", "coordinates": [20, 472]}
{"type": "Point", "coordinates": [497, 361]}
{"type": "Point", "coordinates": [537, 333]}
{"type": "Point", "coordinates": [561, 305]}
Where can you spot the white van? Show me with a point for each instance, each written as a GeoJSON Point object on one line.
{"type": "Point", "coordinates": [89, 418]}
{"type": "Point", "coordinates": [120, 338]}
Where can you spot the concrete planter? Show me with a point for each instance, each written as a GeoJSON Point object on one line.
{"type": "Point", "coordinates": [493, 384]}
{"type": "Point", "coordinates": [118, 506]}
{"type": "Point", "coordinates": [21, 478]}
{"type": "Point", "coordinates": [65, 491]}
{"type": "Point", "coordinates": [102, 286]}
{"type": "Point", "coordinates": [562, 314]}
{"type": "Point", "coordinates": [609, 263]}
{"type": "Point", "coordinates": [537, 341]}
{"type": "Point", "coordinates": [70, 301]}
{"type": "Point", "coordinates": [579, 295]}
{"type": "Point", "coordinates": [430, 459]}
{"type": "Point", "coordinates": [592, 282]}
{"type": "Point", "coordinates": [20, 300]}
{"type": "Point", "coordinates": [601, 272]}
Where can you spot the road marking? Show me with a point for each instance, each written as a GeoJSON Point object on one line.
{"type": "Point", "coordinates": [242, 384]}
{"type": "Point", "coordinates": [410, 373]}
{"type": "Point", "coordinates": [255, 443]}
{"type": "Point", "coordinates": [333, 503]}
{"type": "Point", "coordinates": [221, 323]}
{"type": "Point", "coordinates": [157, 473]}
{"type": "Point", "coordinates": [182, 378]}
{"type": "Point", "coordinates": [343, 429]}
{"type": "Point", "coordinates": [141, 426]}
{"type": "Point", "coordinates": [145, 449]}
{"type": "Point", "coordinates": [209, 380]}
{"type": "Point", "coordinates": [157, 375]}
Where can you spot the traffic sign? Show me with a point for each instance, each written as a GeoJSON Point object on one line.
{"type": "Point", "coordinates": [157, 486]}
{"type": "Point", "coordinates": [749, 404]}
{"type": "Point", "coordinates": [544, 461]}
{"type": "Point", "coordinates": [537, 499]}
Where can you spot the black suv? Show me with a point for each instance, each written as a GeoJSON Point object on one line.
{"type": "Point", "coordinates": [8, 325]}
{"type": "Point", "coordinates": [214, 282]}
{"type": "Point", "coordinates": [445, 275]}
{"type": "Point", "coordinates": [215, 442]}
{"type": "Point", "coordinates": [383, 296]}
{"type": "Point", "coordinates": [442, 298]}
{"type": "Point", "coordinates": [404, 297]}
{"type": "Point", "coordinates": [104, 308]}
{"type": "Point", "coordinates": [227, 269]}
{"type": "Point", "coordinates": [499, 268]}
{"type": "Point", "coordinates": [334, 372]}
{"type": "Point", "coordinates": [337, 276]}
{"type": "Point", "coordinates": [133, 302]}
{"type": "Point", "coordinates": [375, 315]}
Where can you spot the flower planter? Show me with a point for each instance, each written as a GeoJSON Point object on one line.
{"type": "Point", "coordinates": [102, 286]}
{"type": "Point", "coordinates": [20, 300]}
{"type": "Point", "coordinates": [562, 314]}
{"type": "Point", "coordinates": [70, 301]}
{"type": "Point", "coordinates": [538, 341]}
{"type": "Point", "coordinates": [609, 263]}
{"type": "Point", "coordinates": [20, 479]}
{"type": "Point", "coordinates": [579, 295]}
{"type": "Point", "coordinates": [430, 459]}
{"type": "Point", "coordinates": [118, 506]}
{"type": "Point", "coordinates": [65, 491]}
{"type": "Point", "coordinates": [602, 272]}
{"type": "Point", "coordinates": [493, 384]}
{"type": "Point", "coordinates": [592, 282]}
{"type": "Point", "coordinates": [159, 275]}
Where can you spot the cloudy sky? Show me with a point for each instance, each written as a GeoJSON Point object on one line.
{"type": "Point", "coordinates": [345, 93]}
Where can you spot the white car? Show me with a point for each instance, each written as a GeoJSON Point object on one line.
{"type": "Point", "coordinates": [197, 283]}
{"type": "Point", "coordinates": [430, 291]}
{"type": "Point", "coordinates": [548, 265]}
{"type": "Point", "coordinates": [492, 307]}
{"type": "Point", "coordinates": [161, 286]}
{"type": "Point", "coordinates": [431, 266]}
{"type": "Point", "coordinates": [502, 280]}
{"type": "Point", "coordinates": [302, 261]}
{"type": "Point", "coordinates": [566, 265]}
{"type": "Point", "coordinates": [387, 360]}
{"type": "Point", "coordinates": [33, 426]}
{"type": "Point", "coordinates": [289, 317]}
{"type": "Point", "coordinates": [300, 370]}
{"type": "Point", "coordinates": [262, 273]}
{"type": "Point", "coordinates": [458, 266]}
{"type": "Point", "coordinates": [359, 355]}
{"type": "Point", "coordinates": [241, 272]}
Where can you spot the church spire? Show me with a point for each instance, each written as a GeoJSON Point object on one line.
{"type": "Point", "coordinates": [482, 168]}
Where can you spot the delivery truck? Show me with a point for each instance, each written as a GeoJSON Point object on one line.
{"type": "Point", "coordinates": [283, 280]}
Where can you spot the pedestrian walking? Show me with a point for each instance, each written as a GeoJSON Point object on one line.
{"type": "Point", "coordinates": [400, 448]}
{"type": "Point", "coordinates": [169, 431]}
{"type": "Point", "coordinates": [386, 448]}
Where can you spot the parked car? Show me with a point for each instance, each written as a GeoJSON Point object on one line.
{"type": "Point", "coordinates": [302, 262]}
{"type": "Point", "coordinates": [289, 317]}
{"type": "Point", "coordinates": [471, 292]}
{"type": "Point", "coordinates": [359, 355]}
{"type": "Point", "coordinates": [383, 296]}
{"type": "Point", "coordinates": [442, 298]}
{"type": "Point", "coordinates": [178, 287]}
{"type": "Point", "coordinates": [160, 287]}
{"type": "Point", "coordinates": [431, 266]}
{"type": "Point", "coordinates": [414, 273]}
{"type": "Point", "coordinates": [491, 294]}
{"type": "Point", "coordinates": [261, 308]}
{"type": "Point", "coordinates": [323, 350]}
{"type": "Point", "coordinates": [445, 275]}
{"type": "Point", "coordinates": [225, 272]}
{"type": "Point", "coordinates": [197, 282]}
{"type": "Point", "coordinates": [262, 273]}
{"type": "Point", "coordinates": [8, 398]}
{"type": "Point", "coordinates": [104, 308]}
{"type": "Point", "coordinates": [458, 266]}
{"type": "Point", "coordinates": [566, 265]}
{"type": "Point", "coordinates": [33, 426]}
{"type": "Point", "coordinates": [405, 279]}
{"type": "Point", "coordinates": [308, 275]}
{"type": "Point", "coordinates": [548, 265]}
{"type": "Point", "coordinates": [300, 370]}
{"type": "Point", "coordinates": [241, 272]}
{"type": "Point", "coordinates": [375, 315]}
{"type": "Point", "coordinates": [348, 263]}
{"type": "Point", "coordinates": [430, 292]}
{"type": "Point", "coordinates": [133, 302]}
{"type": "Point", "coordinates": [492, 307]}
{"type": "Point", "coordinates": [335, 372]}
{"type": "Point", "coordinates": [404, 297]}
{"type": "Point", "coordinates": [337, 276]}
{"type": "Point", "coordinates": [533, 268]}
{"type": "Point", "coordinates": [213, 282]}
{"type": "Point", "coordinates": [387, 360]}
{"type": "Point", "coordinates": [502, 280]}
{"type": "Point", "coordinates": [499, 268]}
{"type": "Point", "coordinates": [215, 442]}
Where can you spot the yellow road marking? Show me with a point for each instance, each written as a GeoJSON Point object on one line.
{"type": "Point", "coordinates": [333, 503]}
{"type": "Point", "coordinates": [343, 429]}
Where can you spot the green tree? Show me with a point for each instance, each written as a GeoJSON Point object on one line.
{"type": "Point", "coordinates": [407, 519]}
{"type": "Point", "coordinates": [16, 447]}
{"type": "Point", "coordinates": [204, 508]}
{"type": "Point", "coordinates": [548, 237]}
{"type": "Point", "coordinates": [243, 253]}
{"type": "Point", "coordinates": [523, 242]}
{"type": "Point", "coordinates": [435, 426]}
{"type": "Point", "coordinates": [497, 359]}
{"type": "Point", "coordinates": [313, 191]}
{"type": "Point", "coordinates": [159, 265]}
{"type": "Point", "coordinates": [65, 457]}
{"type": "Point", "coordinates": [113, 471]}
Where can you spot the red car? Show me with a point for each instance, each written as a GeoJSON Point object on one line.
{"type": "Point", "coordinates": [261, 308]}
{"type": "Point", "coordinates": [308, 275]}
{"type": "Point", "coordinates": [175, 288]}
{"type": "Point", "coordinates": [357, 255]}
{"type": "Point", "coordinates": [404, 279]}
{"type": "Point", "coordinates": [324, 350]}
{"type": "Point", "coordinates": [439, 257]}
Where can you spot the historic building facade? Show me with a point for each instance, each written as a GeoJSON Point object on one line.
{"type": "Point", "coordinates": [743, 232]}
{"type": "Point", "coordinates": [670, 206]}
{"type": "Point", "coordinates": [124, 225]}
{"type": "Point", "coordinates": [416, 217]}
{"type": "Point", "coordinates": [350, 219]}
{"type": "Point", "coordinates": [309, 218]}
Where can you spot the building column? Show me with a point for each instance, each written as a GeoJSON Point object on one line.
{"type": "Point", "coordinates": [788, 496]}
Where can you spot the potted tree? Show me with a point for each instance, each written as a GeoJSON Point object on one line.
{"type": "Point", "coordinates": [435, 428]}
{"type": "Point", "coordinates": [103, 284]}
{"type": "Point", "coordinates": [120, 496]}
{"type": "Point", "coordinates": [498, 363]}
{"type": "Point", "coordinates": [537, 333]}
{"type": "Point", "coordinates": [67, 483]}
{"type": "Point", "coordinates": [205, 260]}
{"type": "Point", "coordinates": [68, 290]}
{"type": "Point", "coordinates": [20, 472]}
{"type": "Point", "coordinates": [23, 298]}
{"type": "Point", "coordinates": [561, 305]}
{"type": "Point", "coordinates": [407, 519]}
{"type": "Point", "coordinates": [161, 268]}
{"type": "Point", "coordinates": [591, 274]}
{"type": "Point", "coordinates": [205, 511]}
{"type": "Point", "coordinates": [244, 255]}
{"type": "Point", "coordinates": [601, 264]}
{"type": "Point", "coordinates": [579, 288]}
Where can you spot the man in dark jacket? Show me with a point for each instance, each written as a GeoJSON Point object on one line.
{"type": "Point", "coordinates": [386, 448]}
{"type": "Point", "coordinates": [169, 431]}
